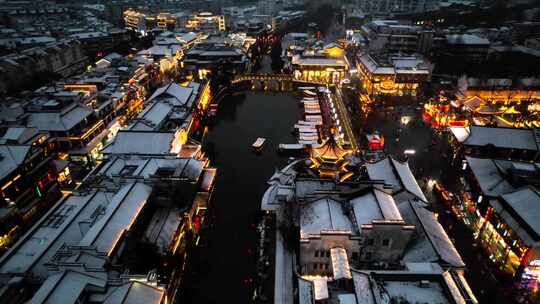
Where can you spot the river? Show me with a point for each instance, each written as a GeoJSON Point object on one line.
{"type": "Point", "coordinates": [221, 268]}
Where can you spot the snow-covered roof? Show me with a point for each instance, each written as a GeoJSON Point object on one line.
{"type": "Point", "coordinates": [492, 175]}
{"type": "Point", "coordinates": [521, 211]}
{"type": "Point", "coordinates": [188, 168]}
{"type": "Point", "coordinates": [19, 135]}
{"type": "Point", "coordinates": [163, 226]}
{"type": "Point", "coordinates": [397, 174]}
{"type": "Point", "coordinates": [432, 243]}
{"type": "Point", "coordinates": [509, 138]}
{"type": "Point", "coordinates": [320, 289]}
{"type": "Point", "coordinates": [12, 156]}
{"type": "Point", "coordinates": [59, 121]}
{"type": "Point", "coordinates": [152, 117]}
{"type": "Point", "coordinates": [340, 263]}
{"type": "Point", "coordinates": [305, 291]}
{"type": "Point", "coordinates": [68, 286]}
{"type": "Point", "coordinates": [363, 288]}
{"type": "Point", "coordinates": [319, 61]}
{"type": "Point", "coordinates": [61, 225]}
{"type": "Point", "coordinates": [467, 39]}
{"type": "Point", "coordinates": [140, 142]}
{"type": "Point", "coordinates": [323, 215]}
{"type": "Point", "coordinates": [374, 205]}
{"type": "Point", "coordinates": [135, 292]}
{"type": "Point", "coordinates": [413, 292]}
{"type": "Point", "coordinates": [173, 90]}
{"type": "Point", "coordinates": [122, 210]}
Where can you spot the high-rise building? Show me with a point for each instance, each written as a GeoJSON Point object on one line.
{"type": "Point", "coordinates": [391, 6]}
{"type": "Point", "coordinates": [266, 7]}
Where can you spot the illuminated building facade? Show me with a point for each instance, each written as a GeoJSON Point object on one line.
{"type": "Point", "coordinates": [396, 76]}
{"type": "Point", "coordinates": [328, 65]}
{"type": "Point", "coordinates": [207, 57]}
{"type": "Point", "coordinates": [501, 205]}
{"type": "Point", "coordinates": [29, 180]}
{"type": "Point", "coordinates": [127, 202]}
{"type": "Point", "coordinates": [206, 22]}
{"type": "Point", "coordinates": [166, 21]}
{"type": "Point", "coordinates": [135, 21]}
{"type": "Point", "coordinates": [495, 142]}
{"type": "Point", "coordinates": [512, 102]}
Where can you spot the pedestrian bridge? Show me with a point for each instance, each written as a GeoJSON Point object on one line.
{"type": "Point", "coordinates": [262, 77]}
{"type": "Point", "coordinates": [279, 82]}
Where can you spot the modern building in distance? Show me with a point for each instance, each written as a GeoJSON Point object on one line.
{"type": "Point", "coordinates": [468, 47]}
{"type": "Point", "coordinates": [63, 58]}
{"type": "Point", "coordinates": [206, 22]}
{"type": "Point", "coordinates": [385, 7]}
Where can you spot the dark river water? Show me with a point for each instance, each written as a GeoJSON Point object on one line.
{"type": "Point", "coordinates": [221, 268]}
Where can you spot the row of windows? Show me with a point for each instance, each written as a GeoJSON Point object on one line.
{"type": "Point", "coordinates": [320, 266]}
{"type": "Point", "coordinates": [371, 242]}
{"type": "Point", "coordinates": [322, 253]}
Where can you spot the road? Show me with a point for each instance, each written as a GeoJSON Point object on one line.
{"type": "Point", "coordinates": [347, 125]}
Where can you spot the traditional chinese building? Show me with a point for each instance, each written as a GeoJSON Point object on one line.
{"type": "Point", "coordinates": [329, 159]}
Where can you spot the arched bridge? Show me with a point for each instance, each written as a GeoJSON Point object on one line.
{"type": "Point", "coordinates": [261, 77]}
{"type": "Point", "coordinates": [280, 82]}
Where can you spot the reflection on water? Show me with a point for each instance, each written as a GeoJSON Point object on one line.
{"type": "Point", "coordinates": [221, 269]}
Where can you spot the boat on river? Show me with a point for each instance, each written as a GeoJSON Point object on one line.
{"type": "Point", "coordinates": [259, 143]}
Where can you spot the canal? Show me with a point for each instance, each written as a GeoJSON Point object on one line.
{"type": "Point", "coordinates": [222, 268]}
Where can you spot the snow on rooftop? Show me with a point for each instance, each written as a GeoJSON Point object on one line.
{"type": "Point", "coordinates": [460, 133]}
{"type": "Point", "coordinates": [510, 138]}
{"type": "Point", "coordinates": [524, 207]}
{"type": "Point", "coordinates": [366, 209]}
{"type": "Point", "coordinates": [387, 205]}
{"type": "Point", "coordinates": [305, 291]}
{"type": "Point", "coordinates": [135, 292]}
{"type": "Point", "coordinates": [154, 114]}
{"type": "Point", "coordinates": [326, 61]}
{"type": "Point", "coordinates": [180, 93]}
{"type": "Point", "coordinates": [67, 287]}
{"type": "Point", "coordinates": [362, 288]}
{"type": "Point", "coordinates": [121, 212]}
{"type": "Point", "coordinates": [323, 215]}
{"type": "Point", "coordinates": [141, 142]}
{"type": "Point", "coordinates": [438, 237]}
{"type": "Point", "coordinates": [414, 292]}
{"type": "Point", "coordinates": [467, 39]}
{"type": "Point", "coordinates": [397, 174]}
{"type": "Point", "coordinates": [490, 175]}
{"type": "Point", "coordinates": [12, 156]}
{"type": "Point", "coordinates": [340, 263]}
{"type": "Point", "coordinates": [320, 289]}
{"type": "Point", "coordinates": [407, 179]}
{"type": "Point", "coordinates": [347, 298]}
{"type": "Point", "coordinates": [59, 121]}
{"type": "Point", "coordinates": [61, 225]}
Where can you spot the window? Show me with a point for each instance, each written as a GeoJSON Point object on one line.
{"type": "Point", "coordinates": [326, 266]}
{"type": "Point", "coordinates": [327, 253]}
{"type": "Point", "coordinates": [355, 255]}
{"type": "Point", "coordinates": [368, 256]}
{"type": "Point", "coordinates": [316, 253]}
{"type": "Point", "coordinates": [386, 242]}
{"type": "Point", "coordinates": [315, 265]}
{"type": "Point", "coordinates": [370, 242]}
